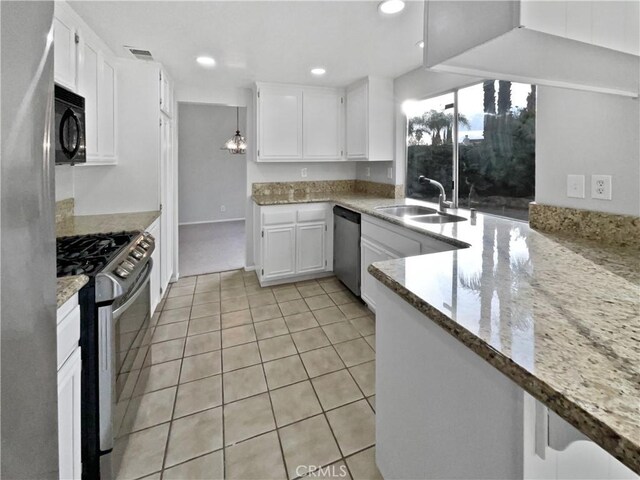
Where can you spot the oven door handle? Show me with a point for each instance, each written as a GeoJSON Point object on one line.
{"type": "Point", "coordinates": [136, 293]}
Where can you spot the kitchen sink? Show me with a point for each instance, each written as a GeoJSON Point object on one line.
{"type": "Point", "coordinates": [438, 218]}
{"type": "Point", "coordinates": [406, 210]}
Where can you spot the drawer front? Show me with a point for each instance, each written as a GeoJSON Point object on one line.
{"type": "Point", "coordinates": [391, 240]}
{"type": "Point", "coordinates": [278, 217]}
{"type": "Point", "coordinates": [68, 335]}
{"type": "Point", "coordinates": [314, 215]}
{"type": "Point", "coordinates": [66, 308]}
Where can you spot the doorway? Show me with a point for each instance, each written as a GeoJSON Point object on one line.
{"type": "Point", "coordinates": [212, 186]}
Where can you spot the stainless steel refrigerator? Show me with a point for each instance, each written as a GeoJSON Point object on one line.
{"type": "Point", "coordinates": [27, 261]}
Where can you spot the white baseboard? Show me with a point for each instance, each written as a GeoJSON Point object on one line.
{"type": "Point", "coordinates": [212, 221]}
{"type": "Point", "coordinates": [250, 268]}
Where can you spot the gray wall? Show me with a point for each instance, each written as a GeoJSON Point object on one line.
{"type": "Point", "coordinates": [29, 364]}
{"type": "Point", "coordinates": [209, 177]}
{"type": "Point", "coordinates": [586, 133]}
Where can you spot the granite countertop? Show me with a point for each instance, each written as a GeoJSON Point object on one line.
{"type": "Point", "coordinates": [559, 316]}
{"type": "Point", "coordinates": [112, 222]}
{"type": "Point", "coordinates": [68, 286]}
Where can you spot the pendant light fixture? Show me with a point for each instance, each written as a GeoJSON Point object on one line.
{"type": "Point", "coordinates": [237, 143]}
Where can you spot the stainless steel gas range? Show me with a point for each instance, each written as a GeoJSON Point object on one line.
{"type": "Point", "coordinates": [115, 318]}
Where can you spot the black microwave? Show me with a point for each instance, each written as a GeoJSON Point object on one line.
{"type": "Point", "coordinates": [69, 126]}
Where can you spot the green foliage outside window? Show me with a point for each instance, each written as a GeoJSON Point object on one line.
{"type": "Point", "coordinates": [496, 171]}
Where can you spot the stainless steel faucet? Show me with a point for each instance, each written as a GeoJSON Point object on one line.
{"type": "Point", "coordinates": [442, 201]}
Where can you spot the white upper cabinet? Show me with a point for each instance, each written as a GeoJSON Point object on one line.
{"type": "Point", "coordinates": [107, 111]}
{"type": "Point", "coordinates": [279, 123]}
{"type": "Point", "coordinates": [370, 120]}
{"type": "Point", "coordinates": [84, 64]}
{"type": "Point", "coordinates": [585, 45]}
{"type": "Point", "coordinates": [297, 123]}
{"type": "Point", "coordinates": [65, 57]}
{"type": "Point", "coordinates": [322, 124]}
{"type": "Point", "coordinates": [357, 132]}
{"type": "Point", "coordinates": [166, 94]}
{"type": "Point", "coordinates": [88, 76]}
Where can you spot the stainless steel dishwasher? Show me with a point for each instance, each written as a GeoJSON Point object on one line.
{"type": "Point", "coordinates": [346, 248]}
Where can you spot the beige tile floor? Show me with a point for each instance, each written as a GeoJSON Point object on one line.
{"type": "Point", "coordinates": [244, 382]}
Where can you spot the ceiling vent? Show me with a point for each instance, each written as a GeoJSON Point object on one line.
{"type": "Point", "coordinates": [139, 53]}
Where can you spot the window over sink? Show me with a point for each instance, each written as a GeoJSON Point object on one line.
{"type": "Point", "coordinates": [490, 156]}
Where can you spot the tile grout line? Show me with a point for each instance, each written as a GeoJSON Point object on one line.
{"type": "Point", "coordinates": [224, 452]}
{"type": "Point", "coordinates": [273, 413]}
{"type": "Point", "coordinates": [326, 419]}
{"type": "Point", "coordinates": [175, 398]}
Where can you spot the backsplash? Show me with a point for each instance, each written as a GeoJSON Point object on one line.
{"type": "Point", "coordinates": [379, 189]}
{"type": "Point", "coordinates": [608, 228]}
{"type": "Point", "coordinates": [65, 209]}
{"type": "Point", "coordinates": [329, 186]}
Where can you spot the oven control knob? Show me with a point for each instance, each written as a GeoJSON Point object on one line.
{"type": "Point", "coordinates": [128, 265]}
{"type": "Point", "coordinates": [137, 254]}
{"type": "Point", "coordinates": [148, 237]}
{"type": "Point", "coordinates": [144, 244]}
{"type": "Point", "coordinates": [122, 273]}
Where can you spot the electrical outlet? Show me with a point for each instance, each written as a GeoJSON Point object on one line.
{"type": "Point", "coordinates": [575, 186]}
{"type": "Point", "coordinates": [368, 171]}
{"type": "Point", "coordinates": [390, 172]}
{"type": "Point", "coordinates": [303, 173]}
{"type": "Point", "coordinates": [601, 187]}
{"type": "Point", "coordinates": [223, 208]}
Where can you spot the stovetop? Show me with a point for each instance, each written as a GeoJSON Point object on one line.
{"type": "Point", "coordinates": [89, 254]}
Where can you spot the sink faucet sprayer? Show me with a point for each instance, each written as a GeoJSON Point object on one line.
{"type": "Point", "coordinates": [442, 201]}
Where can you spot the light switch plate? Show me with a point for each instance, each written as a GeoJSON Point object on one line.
{"type": "Point", "coordinates": [303, 173]}
{"type": "Point", "coordinates": [575, 186]}
{"type": "Point", "coordinates": [368, 171]}
{"type": "Point", "coordinates": [390, 172]}
{"type": "Point", "coordinates": [601, 187]}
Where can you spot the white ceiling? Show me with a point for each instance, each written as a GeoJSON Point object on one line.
{"type": "Point", "coordinates": [273, 41]}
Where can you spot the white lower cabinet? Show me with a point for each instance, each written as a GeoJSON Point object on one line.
{"type": "Point", "coordinates": [279, 252]}
{"type": "Point", "coordinates": [69, 380]}
{"type": "Point", "coordinates": [311, 251]}
{"type": "Point", "coordinates": [382, 240]}
{"type": "Point", "coordinates": [155, 281]}
{"type": "Point", "coordinates": [292, 241]}
{"type": "Point", "coordinates": [371, 252]}
{"type": "Point", "coordinates": [70, 463]}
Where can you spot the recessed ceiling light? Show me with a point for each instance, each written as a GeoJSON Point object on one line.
{"type": "Point", "coordinates": [420, 44]}
{"type": "Point", "coordinates": [318, 71]}
{"type": "Point", "coordinates": [206, 61]}
{"type": "Point", "coordinates": [390, 7]}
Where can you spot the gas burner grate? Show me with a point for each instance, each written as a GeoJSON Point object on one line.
{"type": "Point", "coordinates": [89, 254]}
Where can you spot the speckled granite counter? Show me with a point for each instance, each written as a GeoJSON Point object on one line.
{"type": "Point", "coordinates": [560, 317]}
{"type": "Point", "coordinates": [113, 222]}
{"type": "Point", "coordinates": [69, 286]}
